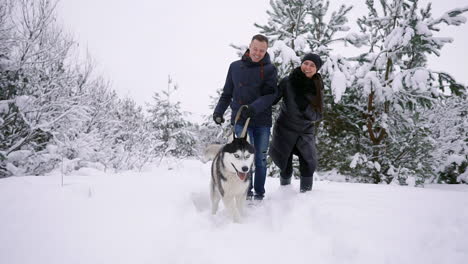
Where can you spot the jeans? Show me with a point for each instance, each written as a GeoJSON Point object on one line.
{"type": "Point", "coordinates": [259, 137]}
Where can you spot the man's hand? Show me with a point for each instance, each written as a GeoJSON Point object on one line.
{"type": "Point", "coordinates": [247, 112]}
{"type": "Point", "coordinates": [218, 119]}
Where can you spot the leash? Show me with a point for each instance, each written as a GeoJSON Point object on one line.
{"type": "Point", "coordinates": [244, 130]}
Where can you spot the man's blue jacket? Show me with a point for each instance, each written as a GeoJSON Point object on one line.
{"type": "Point", "coordinates": [253, 84]}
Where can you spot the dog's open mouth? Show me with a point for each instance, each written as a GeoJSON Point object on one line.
{"type": "Point", "coordinates": [242, 175]}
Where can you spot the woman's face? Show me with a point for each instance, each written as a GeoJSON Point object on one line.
{"type": "Point", "coordinates": [308, 68]}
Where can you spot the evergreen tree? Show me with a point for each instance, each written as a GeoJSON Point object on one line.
{"type": "Point", "coordinates": [51, 109]}
{"type": "Point", "coordinates": [297, 27]}
{"type": "Point", "coordinates": [133, 137]}
{"type": "Point", "coordinates": [448, 124]}
{"type": "Point", "coordinates": [36, 92]}
{"type": "Point", "coordinates": [169, 129]}
{"type": "Point", "coordinates": [393, 87]}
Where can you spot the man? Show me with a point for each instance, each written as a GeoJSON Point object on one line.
{"type": "Point", "coordinates": [252, 81]}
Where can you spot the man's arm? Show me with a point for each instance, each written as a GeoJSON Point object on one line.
{"type": "Point", "coordinates": [280, 91]}
{"type": "Point", "coordinates": [270, 91]}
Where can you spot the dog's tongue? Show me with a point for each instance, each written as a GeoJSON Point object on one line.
{"type": "Point", "coordinates": [242, 175]}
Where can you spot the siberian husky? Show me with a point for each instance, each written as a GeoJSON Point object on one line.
{"type": "Point", "coordinates": [231, 174]}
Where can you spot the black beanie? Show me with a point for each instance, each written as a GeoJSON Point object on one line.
{"type": "Point", "coordinates": [315, 58]}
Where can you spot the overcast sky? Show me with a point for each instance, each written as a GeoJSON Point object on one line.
{"type": "Point", "coordinates": [138, 43]}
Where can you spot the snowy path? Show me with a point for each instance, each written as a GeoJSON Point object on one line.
{"type": "Point", "coordinates": [162, 216]}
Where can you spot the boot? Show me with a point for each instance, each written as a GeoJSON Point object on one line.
{"type": "Point", "coordinates": [306, 184]}
{"type": "Point", "coordinates": [285, 181]}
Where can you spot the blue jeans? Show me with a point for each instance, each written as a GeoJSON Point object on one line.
{"type": "Point", "coordinates": [259, 137]}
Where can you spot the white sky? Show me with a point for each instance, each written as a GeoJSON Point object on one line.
{"type": "Point", "coordinates": [138, 43]}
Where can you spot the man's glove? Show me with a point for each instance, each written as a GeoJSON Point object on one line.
{"type": "Point", "coordinates": [247, 112]}
{"type": "Point", "coordinates": [218, 119]}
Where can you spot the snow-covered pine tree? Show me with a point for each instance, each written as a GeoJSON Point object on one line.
{"type": "Point", "coordinates": [133, 145]}
{"type": "Point", "coordinates": [394, 86]}
{"type": "Point", "coordinates": [448, 123]}
{"type": "Point", "coordinates": [7, 87]}
{"type": "Point", "coordinates": [50, 106]}
{"type": "Point", "coordinates": [38, 97]}
{"type": "Point", "coordinates": [169, 129]}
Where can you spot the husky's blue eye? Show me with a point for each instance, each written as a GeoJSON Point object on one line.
{"type": "Point", "coordinates": [236, 155]}
{"type": "Point", "coordinates": [247, 156]}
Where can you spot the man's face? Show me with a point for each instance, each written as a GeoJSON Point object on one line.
{"type": "Point", "coordinates": [258, 50]}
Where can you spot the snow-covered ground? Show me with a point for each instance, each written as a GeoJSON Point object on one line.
{"type": "Point", "coordinates": [162, 215]}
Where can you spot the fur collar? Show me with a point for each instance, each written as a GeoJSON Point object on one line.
{"type": "Point", "coordinates": [301, 84]}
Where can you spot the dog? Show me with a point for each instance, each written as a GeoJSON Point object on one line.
{"type": "Point", "coordinates": [231, 171]}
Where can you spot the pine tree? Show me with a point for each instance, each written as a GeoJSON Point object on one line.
{"type": "Point", "coordinates": [51, 108]}
{"type": "Point", "coordinates": [38, 95]}
{"type": "Point", "coordinates": [170, 131]}
{"type": "Point", "coordinates": [394, 86]}
{"type": "Point", "coordinates": [297, 27]}
{"type": "Point", "coordinates": [449, 133]}
{"type": "Point", "coordinates": [133, 145]}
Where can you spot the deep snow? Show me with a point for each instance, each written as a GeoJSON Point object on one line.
{"type": "Point", "coordinates": [161, 215]}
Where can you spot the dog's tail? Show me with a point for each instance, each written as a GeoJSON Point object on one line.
{"type": "Point", "coordinates": [210, 152]}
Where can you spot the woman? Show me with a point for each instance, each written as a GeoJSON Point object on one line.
{"type": "Point", "coordinates": [302, 93]}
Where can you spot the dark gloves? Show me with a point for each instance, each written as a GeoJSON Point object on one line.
{"type": "Point", "coordinates": [247, 112]}
{"type": "Point", "coordinates": [218, 119]}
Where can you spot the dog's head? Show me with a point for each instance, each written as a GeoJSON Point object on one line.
{"type": "Point", "coordinates": [239, 157]}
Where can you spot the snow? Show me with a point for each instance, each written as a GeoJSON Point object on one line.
{"type": "Point", "coordinates": [161, 215]}
{"type": "Point", "coordinates": [454, 158]}
{"type": "Point", "coordinates": [300, 44]}
{"type": "Point", "coordinates": [423, 29]}
{"type": "Point", "coordinates": [397, 84]}
{"type": "Point", "coordinates": [23, 101]}
{"type": "Point", "coordinates": [418, 80]}
{"type": "Point", "coordinates": [371, 83]}
{"type": "Point", "coordinates": [4, 106]}
{"type": "Point", "coordinates": [453, 17]}
{"type": "Point", "coordinates": [338, 70]}
{"type": "Point", "coordinates": [19, 155]}
{"type": "Point", "coordinates": [355, 160]}
{"type": "Point", "coordinates": [338, 85]}
{"type": "Point", "coordinates": [286, 54]}
{"type": "Point", "coordinates": [399, 37]}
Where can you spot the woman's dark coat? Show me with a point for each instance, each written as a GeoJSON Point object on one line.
{"type": "Point", "coordinates": [295, 123]}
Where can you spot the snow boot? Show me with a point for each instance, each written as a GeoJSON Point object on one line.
{"type": "Point", "coordinates": [258, 197]}
{"type": "Point", "coordinates": [306, 184]}
{"type": "Point", "coordinates": [285, 181]}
